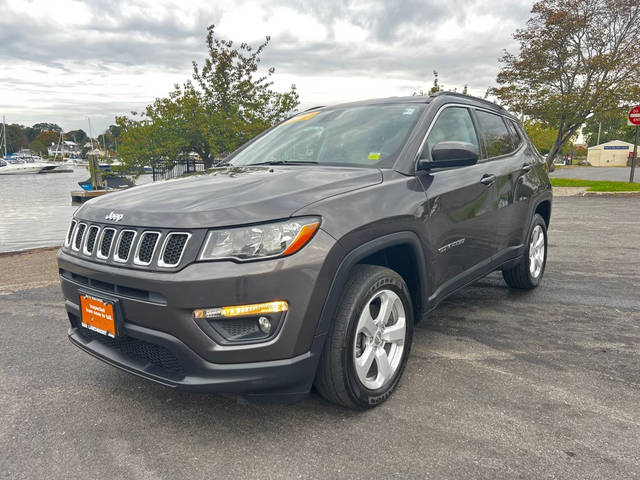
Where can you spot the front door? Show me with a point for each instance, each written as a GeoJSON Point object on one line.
{"type": "Point", "coordinates": [461, 221]}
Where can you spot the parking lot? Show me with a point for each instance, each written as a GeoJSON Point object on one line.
{"type": "Point", "coordinates": [617, 174]}
{"type": "Point", "coordinates": [500, 384]}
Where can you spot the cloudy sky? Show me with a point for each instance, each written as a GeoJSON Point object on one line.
{"type": "Point", "coordinates": [64, 60]}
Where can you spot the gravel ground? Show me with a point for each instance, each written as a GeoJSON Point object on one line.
{"type": "Point", "coordinates": [35, 268]}
{"type": "Point", "coordinates": [500, 384]}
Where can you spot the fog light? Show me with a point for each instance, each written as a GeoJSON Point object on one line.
{"type": "Point", "coordinates": [265, 325]}
{"type": "Point", "coordinates": [242, 310]}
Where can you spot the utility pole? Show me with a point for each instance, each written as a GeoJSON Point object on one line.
{"type": "Point", "coordinates": [599, 128]}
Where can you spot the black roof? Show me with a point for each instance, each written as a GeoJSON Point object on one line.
{"type": "Point", "coordinates": [461, 97]}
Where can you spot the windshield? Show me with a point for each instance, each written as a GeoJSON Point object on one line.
{"type": "Point", "coordinates": [364, 136]}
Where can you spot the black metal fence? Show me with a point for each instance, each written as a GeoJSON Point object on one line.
{"type": "Point", "coordinates": [176, 169]}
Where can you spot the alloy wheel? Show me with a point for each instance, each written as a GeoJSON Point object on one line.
{"type": "Point", "coordinates": [536, 252]}
{"type": "Point", "coordinates": [379, 339]}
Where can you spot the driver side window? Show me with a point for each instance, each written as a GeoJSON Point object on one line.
{"type": "Point", "coordinates": [454, 124]}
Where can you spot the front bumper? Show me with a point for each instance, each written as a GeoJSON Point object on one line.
{"type": "Point", "coordinates": [164, 359]}
{"type": "Point", "coordinates": [161, 341]}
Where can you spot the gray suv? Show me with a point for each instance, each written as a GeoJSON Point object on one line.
{"type": "Point", "coordinates": [308, 257]}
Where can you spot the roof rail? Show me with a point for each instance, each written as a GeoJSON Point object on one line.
{"type": "Point", "coordinates": [470, 97]}
{"type": "Point", "coordinates": [314, 108]}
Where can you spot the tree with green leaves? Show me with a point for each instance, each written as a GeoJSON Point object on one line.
{"type": "Point", "coordinates": [229, 101]}
{"type": "Point", "coordinates": [543, 136]}
{"type": "Point", "coordinates": [47, 127]}
{"type": "Point", "coordinates": [612, 125]}
{"type": "Point", "coordinates": [78, 136]}
{"type": "Point", "coordinates": [576, 57]}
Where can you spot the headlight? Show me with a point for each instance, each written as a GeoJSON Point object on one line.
{"type": "Point", "coordinates": [259, 241]}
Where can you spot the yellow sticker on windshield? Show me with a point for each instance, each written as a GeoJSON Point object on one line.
{"type": "Point", "coordinates": [301, 118]}
{"type": "Point", "coordinates": [374, 156]}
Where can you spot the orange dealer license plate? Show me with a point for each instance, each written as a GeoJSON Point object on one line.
{"type": "Point", "coordinates": [98, 315]}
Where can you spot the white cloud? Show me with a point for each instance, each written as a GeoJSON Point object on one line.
{"type": "Point", "coordinates": [64, 60]}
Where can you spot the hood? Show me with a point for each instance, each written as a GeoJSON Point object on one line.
{"type": "Point", "coordinates": [227, 196]}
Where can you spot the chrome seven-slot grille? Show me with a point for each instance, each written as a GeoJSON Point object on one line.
{"type": "Point", "coordinates": [122, 246]}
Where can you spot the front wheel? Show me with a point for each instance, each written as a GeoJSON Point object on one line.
{"type": "Point", "coordinates": [368, 346]}
{"type": "Point", "coordinates": [529, 270]}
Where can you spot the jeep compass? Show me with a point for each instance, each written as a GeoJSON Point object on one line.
{"type": "Point", "coordinates": [306, 259]}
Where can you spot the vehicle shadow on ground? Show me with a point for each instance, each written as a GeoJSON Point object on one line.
{"type": "Point", "coordinates": [202, 411]}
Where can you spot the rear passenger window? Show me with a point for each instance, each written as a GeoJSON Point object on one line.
{"type": "Point", "coordinates": [497, 138]}
{"type": "Point", "coordinates": [454, 124]}
{"type": "Point", "coordinates": [516, 139]}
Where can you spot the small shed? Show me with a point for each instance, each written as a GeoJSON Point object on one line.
{"type": "Point", "coordinates": [610, 154]}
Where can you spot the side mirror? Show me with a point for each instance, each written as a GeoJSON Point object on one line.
{"type": "Point", "coordinates": [450, 154]}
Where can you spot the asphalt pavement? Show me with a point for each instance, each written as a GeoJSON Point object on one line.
{"type": "Point", "coordinates": [500, 384]}
{"type": "Point", "coordinates": [618, 174]}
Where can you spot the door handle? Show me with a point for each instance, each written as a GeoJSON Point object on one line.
{"type": "Point", "coordinates": [488, 179]}
{"type": "Point", "coordinates": [526, 167]}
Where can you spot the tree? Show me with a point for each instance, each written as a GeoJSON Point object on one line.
{"type": "Point", "coordinates": [228, 103]}
{"type": "Point", "coordinates": [47, 127]}
{"type": "Point", "coordinates": [47, 137]}
{"type": "Point", "coordinates": [434, 89]}
{"type": "Point", "coordinates": [38, 147]}
{"type": "Point", "coordinates": [16, 138]}
{"type": "Point", "coordinates": [576, 57]}
{"type": "Point", "coordinates": [542, 136]}
{"type": "Point", "coordinates": [613, 126]}
{"type": "Point", "coordinates": [77, 136]}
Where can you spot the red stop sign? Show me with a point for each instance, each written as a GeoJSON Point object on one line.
{"type": "Point", "coordinates": [634, 116]}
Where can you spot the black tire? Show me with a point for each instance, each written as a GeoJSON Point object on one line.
{"type": "Point", "coordinates": [519, 276]}
{"type": "Point", "coordinates": [336, 379]}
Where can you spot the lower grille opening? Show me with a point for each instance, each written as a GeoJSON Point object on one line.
{"type": "Point", "coordinates": [114, 289]}
{"type": "Point", "coordinates": [141, 351]}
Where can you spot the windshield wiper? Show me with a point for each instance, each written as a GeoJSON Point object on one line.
{"type": "Point", "coordinates": [282, 162]}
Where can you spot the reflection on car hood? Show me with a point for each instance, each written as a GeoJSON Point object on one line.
{"type": "Point", "coordinates": [228, 196]}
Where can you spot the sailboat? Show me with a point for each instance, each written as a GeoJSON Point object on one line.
{"type": "Point", "coordinates": [20, 163]}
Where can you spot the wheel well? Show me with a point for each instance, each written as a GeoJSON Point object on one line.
{"type": "Point", "coordinates": [544, 209]}
{"type": "Point", "coordinates": [403, 260]}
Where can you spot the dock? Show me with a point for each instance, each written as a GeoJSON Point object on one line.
{"type": "Point", "coordinates": [78, 197]}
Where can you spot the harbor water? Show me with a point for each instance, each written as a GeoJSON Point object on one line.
{"type": "Point", "coordinates": [36, 208]}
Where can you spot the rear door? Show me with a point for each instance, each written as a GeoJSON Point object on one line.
{"type": "Point", "coordinates": [506, 152]}
{"type": "Point", "coordinates": [460, 223]}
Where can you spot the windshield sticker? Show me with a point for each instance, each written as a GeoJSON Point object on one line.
{"type": "Point", "coordinates": [301, 118]}
{"type": "Point", "coordinates": [374, 156]}
{"type": "Point", "coordinates": [408, 111]}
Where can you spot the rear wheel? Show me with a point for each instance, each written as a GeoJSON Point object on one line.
{"type": "Point", "coordinates": [368, 345]}
{"type": "Point", "coordinates": [528, 272]}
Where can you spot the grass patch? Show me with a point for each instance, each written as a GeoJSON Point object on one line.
{"type": "Point", "coordinates": [596, 185]}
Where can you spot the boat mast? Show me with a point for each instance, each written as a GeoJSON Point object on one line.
{"type": "Point", "coordinates": [58, 149]}
{"type": "Point", "coordinates": [4, 135]}
{"type": "Point", "coordinates": [94, 165]}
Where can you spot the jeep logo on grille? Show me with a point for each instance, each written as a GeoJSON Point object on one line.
{"type": "Point", "coordinates": [114, 217]}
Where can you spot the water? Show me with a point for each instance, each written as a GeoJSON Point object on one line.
{"type": "Point", "coordinates": [36, 209]}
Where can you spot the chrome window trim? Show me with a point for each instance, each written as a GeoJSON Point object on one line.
{"type": "Point", "coordinates": [164, 246]}
{"type": "Point", "coordinates": [116, 256]}
{"type": "Point", "coordinates": [98, 252]}
{"type": "Point", "coordinates": [136, 255]}
{"type": "Point", "coordinates": [75, 235]}
{"type": "Point", "coordinates": [86, 239]}
{"type": "Point", "coordinates": [478, 133]}
{"type": "Point", "coordinates": [70, 232]}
